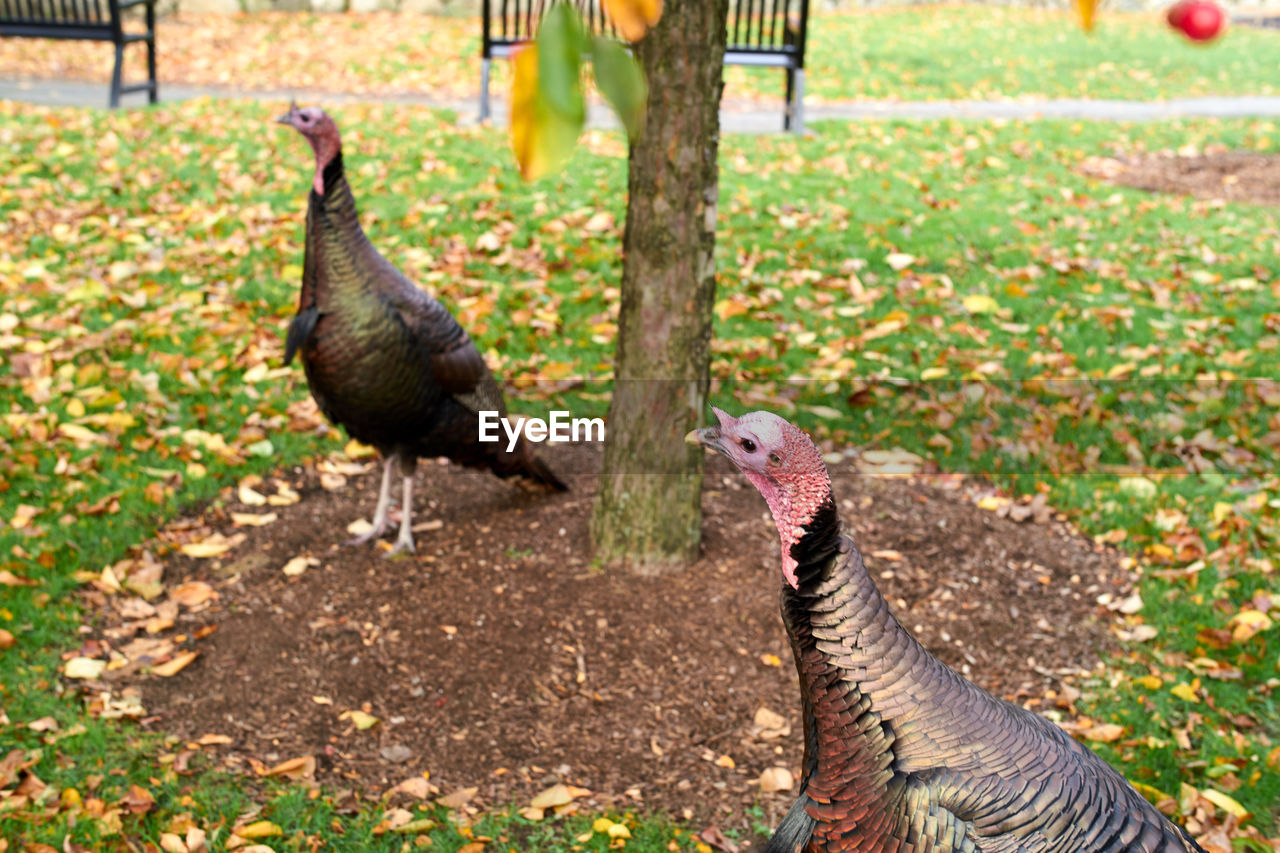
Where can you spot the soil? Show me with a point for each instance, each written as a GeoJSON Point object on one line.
{"type": "Point", "coordinates": [1237, 176]}
{"type": "Point", "coordinates": [500, 658]}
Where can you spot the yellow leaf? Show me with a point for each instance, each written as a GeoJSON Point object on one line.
{"type": "Point", "coordinates": [259, 829]}
{"type": "Point", "coordinates": [633, 18]}
{"type": "Point", "coordinates": [361, 720]}
{"type": "Point", "coordinates": [979, 303]}
{"type": "Point", "coordinates": [1224, 802]}
{"type": "Point", "coordinates": [298, 565]}
{"type": "Point", "coordinates": [1151, 682]}
{"type": "Point", "coordinates": [175, 664]}
{"type": "Point", "coordinates": [1246, 623]}
{"type": "Point", "coordinates": [1221, 512]}
{"type": "Point", "coordinates": [541, 138]}
{"type": "Point", "coordinates": [930, 373]}
{"type": "Point", "coordinates": [356, 450]}
{"type": "Point", "coordinates": [1086, 8]}
{"type": "Point", "coordinates": [81, 667]}
{"type": "Point", "coordinates": [249, 497]}
{"type": "Point", "coordinates": [1184, 691]}
{"type": "Point", "coordinates": [253, 519]}
{"type": "Point", "coordinates": [619, 831]}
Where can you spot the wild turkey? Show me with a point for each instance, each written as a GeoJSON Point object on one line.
{"type": "Point", "coordinates": [901, 753]}
{"type": "Point", "coordinates": [382, 358]}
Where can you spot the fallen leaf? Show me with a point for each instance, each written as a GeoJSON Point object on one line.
{"type": "Point", "coordinates": [360, 719]}
{"type": "Point", "coordinates": [1104, 733]}
{"type": "Point", "coordinates": [192, 593]}
{"type": "Point", "coordinates": [774, 779]}
{"type": "Point", "coordinates": [298, 565]}
{"type": "Point", "coordinates": [81, 667]}
{"type": "Point", "coordinates": [457, 799]}
{"type": "Point", "coordinates": [558, 795]}
{"type": "Point", "coordinates": [252, 519]}
{"type": "Point", "coordinates": [295, 768]}
{"type": "Point", "coordinates": [175, 664]}
{"type": "Point", "coordinates": [259, 829]}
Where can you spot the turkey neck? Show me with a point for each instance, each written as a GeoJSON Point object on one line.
{"type": "Point", "coordinates": [343, 253]}
{"type": "Point", "coordinates": [857, 669]}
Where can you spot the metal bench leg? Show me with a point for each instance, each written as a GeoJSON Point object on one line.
{"type": "Point", "coordinates": [795, 105]}
{"type": "Point", "coordinates": [485, 112]}
{"type": "Point", "coordinates": [788, 106]}
{"type": "Point", "coordinates": [116, 77]}
{"type": "Point", "coordinates": [154, 94]}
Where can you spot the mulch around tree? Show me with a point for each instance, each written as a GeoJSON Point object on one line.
{"type": "Point", "coordinates": [501, 658]}
{"type": "Point", "coordinates": [1237, 176]}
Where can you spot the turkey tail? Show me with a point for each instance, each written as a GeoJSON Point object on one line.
{"type": "Point", "coordinates": [526, 466]}
{"type": "Point", "coordinates": [795, 830]}
{"type": "Point", "coordinates": [538, 471]}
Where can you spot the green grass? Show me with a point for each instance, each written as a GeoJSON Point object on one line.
{"type": "Point", "coordinates": [149, 260]}
{"type": "Point", "coordinates": [992, 53]}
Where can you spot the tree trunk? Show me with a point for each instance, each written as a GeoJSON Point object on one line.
{"type": "Point", "coordinates": [648, 511]}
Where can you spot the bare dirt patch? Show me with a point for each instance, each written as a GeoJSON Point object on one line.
{"type": "Point", "coordinates": [500, 658]}
{"type": "Point", "coordinates": [1238, 176]}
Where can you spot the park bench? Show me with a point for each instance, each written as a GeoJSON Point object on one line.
{"type": "Point", "coordinates": [763, 33]}
{"type": "Point", "coordinates": [86, 20]}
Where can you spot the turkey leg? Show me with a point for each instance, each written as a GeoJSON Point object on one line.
{"type": "Point", "coordinates": [384, 503]}
{"type": "Point", "coordinates": [404, 542]}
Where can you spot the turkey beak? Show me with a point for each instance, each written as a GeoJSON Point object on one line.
{"type": "Point", "coordinates": [709, 436]}
{"type": "Point", "coordinates": [287, 118]}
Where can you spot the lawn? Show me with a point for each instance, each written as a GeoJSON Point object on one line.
{"type": "Point", "coordinates": [916, 53]}
{"type": "Point", "coordinates": [956, 289]}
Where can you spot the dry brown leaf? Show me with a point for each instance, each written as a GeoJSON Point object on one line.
{"type": "Point", "coordinates": [295, 768]}
{"type": "Point", "coordinates": [457, 799]}
{"type": "Point", "coordinates": [192, 593]}
{"type": "Point", "coordinates": [417, 787]}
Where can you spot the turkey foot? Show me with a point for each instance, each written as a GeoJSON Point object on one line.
{"type": "Point", "coordinates": [404, 542]}
{"type": "Point", "coordinates": [380, 514]}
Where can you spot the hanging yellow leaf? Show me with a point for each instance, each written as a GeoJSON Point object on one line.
{"type": "Point", "coordinates": [542, 138]}
{"type": "Point", "coordinates": [633, 18]}
{"type": "Point", "coordinates": [1086, 8]}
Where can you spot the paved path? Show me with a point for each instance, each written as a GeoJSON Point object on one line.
{"type": "Point", "coordinates": [743, 117]}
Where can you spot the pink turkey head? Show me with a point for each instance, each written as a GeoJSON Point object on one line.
{"type": "Point", "coordinates": [782, 462]}
{"type": "Point", "coordinates": [318, 129]}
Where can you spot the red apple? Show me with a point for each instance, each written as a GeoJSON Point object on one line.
{"type": "Point", "coordinates": [1198, 20]}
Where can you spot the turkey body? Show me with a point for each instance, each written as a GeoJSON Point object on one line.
{"type": "Point", "coordinates": [903, 754]}
{"type": "Point", "coordinates": [385, 360]}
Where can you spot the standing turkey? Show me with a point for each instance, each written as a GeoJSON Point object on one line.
{"type": "Point", "coordinates": [382, 358]}
{"type": "Point", "coordinates": [901, 753]}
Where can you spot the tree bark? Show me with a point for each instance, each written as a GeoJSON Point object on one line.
{"type": "Point", "coordinates": [648, 513]}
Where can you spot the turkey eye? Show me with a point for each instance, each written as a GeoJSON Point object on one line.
{"type": "Point", "coordinates": [748, 445]}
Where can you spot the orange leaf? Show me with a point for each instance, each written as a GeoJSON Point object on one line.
{"type": "Point", "coordinates": [633, 18]}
